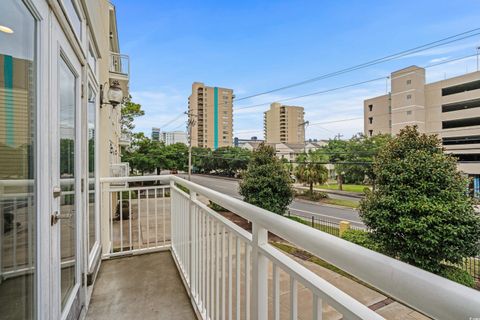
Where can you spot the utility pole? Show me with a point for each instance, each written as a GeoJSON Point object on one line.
{"type": "Point", "coordinates": [190, 123]}
{"type": "Point", "coordinates": [304, 125]}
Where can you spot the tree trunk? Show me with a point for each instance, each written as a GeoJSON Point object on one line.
{"type": "Point", "coordinates": [340, 182]}
{"type": "Point", "coordinates": [311, 188]}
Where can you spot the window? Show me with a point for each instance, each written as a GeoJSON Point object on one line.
{"type": "Point", "coordinates": [370, 133]}
{"type": "Point", "coordinates": [92, 60]}
{"type": "Point", "coordinates": [370, 120]}
{"type": "Point", "coordinates": [73, 16]}
{"type": "Point", "coordinates": [91, 129]}
{"type": "Point", "coordinates": [409, 112]}
{"type": "Point", "coordinates": [409, 96]}
{"type": "Point", "coordinates": [469, 86]}
{"type": "Point", "coordinates": [461, 123]}
{"type": "Point", "coordinates": [409, 82]}
{"type": "Point", "coordinates": [470, 104]}
{"type": "Point", "coordinates": [461, 140]}
{"type": "Point", "coordinates": [370, 107]}
{"type": "Point", "coordinates": [18, 204]}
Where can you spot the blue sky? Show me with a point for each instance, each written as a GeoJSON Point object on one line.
{"type": "Point", "coordinates": [254, 46]}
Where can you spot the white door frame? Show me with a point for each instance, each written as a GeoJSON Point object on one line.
{"type": "Point", "coordinates": [61, 49]}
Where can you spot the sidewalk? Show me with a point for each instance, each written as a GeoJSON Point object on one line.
{"type": "Point", "coordinates": [356, 195]}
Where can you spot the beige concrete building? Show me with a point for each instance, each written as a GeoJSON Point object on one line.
{"type": "Point", "coordinates": [284, 124]}
{"type": "Point", "coordinates": [211, 108]}
{"type": "Point", "coordinates": [449, 108]}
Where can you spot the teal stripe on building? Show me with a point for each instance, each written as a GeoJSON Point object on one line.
{"type": "Point", "coordinates": [8, 78]}
{"type": "Point", "coordinates": [215, 118]}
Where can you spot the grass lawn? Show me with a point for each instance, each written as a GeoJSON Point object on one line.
{"type": "Point", "coordinates": [346, 187]}
{"type": "Point", "coordinates": [342, 202]}
{"type": "Point", "coordinates": [333, 230]}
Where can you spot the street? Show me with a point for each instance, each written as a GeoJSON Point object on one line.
{"type": "Point", "coordinates": [301, 208]}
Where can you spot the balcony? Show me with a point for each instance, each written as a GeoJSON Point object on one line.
{"type": "Point", "coordinates": [125, 139]}
{"type": "Point", "coordinates": [119, 70]}
{"type": "Point", "coordinates": [200, 263]}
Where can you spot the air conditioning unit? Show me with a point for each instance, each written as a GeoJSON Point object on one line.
{"type": "Point", "coordinates": [121, 169]}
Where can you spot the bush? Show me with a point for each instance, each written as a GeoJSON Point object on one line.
{"type": "Point", "coordinates": [216, 207]}
{"type": "Point", "coordinates": [419, 211]}
{"type": "Point", "coordinates": [362, 238]}
{"type": "Point", "coordinates": [266, 183]}
{"type": "Point", "coordinates": [457, 275]}
{"type": "Point", "coordinates": [315, 196]}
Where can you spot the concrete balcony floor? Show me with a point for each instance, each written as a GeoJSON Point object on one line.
{"type": "Point", "coordinates": [140, 287]}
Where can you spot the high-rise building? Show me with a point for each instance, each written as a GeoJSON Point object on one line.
{"type": "Point", "coordinates": [211, 109]}
{"type": "Point", "coordinates": [156, 134]}
{"type": "Point", "coordinates": [449, 108]}
{"type": "Point", "coordinates": [172, 137]}
{"type": "Point", "coordinates": [284, 124]}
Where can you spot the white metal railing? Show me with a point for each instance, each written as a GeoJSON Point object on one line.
{"type": "Point", "coordinates": [120, 64]}
{"type": "Point", "coordinates": [227, 270]}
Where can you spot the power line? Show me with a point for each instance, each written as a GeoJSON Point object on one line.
{"type": "Point", "coordinates": [431, 45]}
{"type": "Point", "coordinates": [172, 120]}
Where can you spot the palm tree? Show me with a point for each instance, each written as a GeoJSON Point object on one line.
{"type": "Point", "coordinates": [310, 170]}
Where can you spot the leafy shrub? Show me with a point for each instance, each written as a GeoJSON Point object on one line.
{"type": "Point", "coordinates": [457, 275]}
{"type": "Point", "coordinates": [266, 183]}
{"type": "Point", "coordinates": [419, 211]}
{"type": "Point", "coordinates": [216, 207]}
{"type": "Point", "coordinates": [315, 196]}
{"type": "Point", "coordinates": [362, 238]}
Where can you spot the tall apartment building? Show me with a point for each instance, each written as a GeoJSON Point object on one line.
{"type": "Point", "coordinates": [211, 108]}
{"type": "Point", "coordinates": [172, 137]}
{"type": "Point", "coordinates": [156, 134]}
{"type": "Point", "coordinates": [284, 124]}
{"type": "Point", "coordinates": [449, 108]}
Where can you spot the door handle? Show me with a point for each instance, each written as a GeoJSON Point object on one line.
{"type": "Point", "coordinates": [57, 192]}
{"type": "Point", "coordinates": [57, 216]}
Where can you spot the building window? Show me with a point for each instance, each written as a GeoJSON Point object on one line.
{"type": "Point", "coordinates": [409, 112]}
{"type": "Point", "coordinates": [370, 107]}
{"type": "Point", "coordinates": [409, 96]}
{"type": "Point", "coordinates": [74, 16]}
{"type": "Point", "coordinates": [409, 82]}
{"type": "Point", "coordinates": [370, 133]}
{"type": "Point", "coordinates": [461, 140]}
{"type": "Point", "coordinates": [370, 120]}
{"type": "Point", "coordinates": [470, 104]}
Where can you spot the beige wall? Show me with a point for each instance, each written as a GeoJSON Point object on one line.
{"type": "Point", "coordinates": [201, 104]}
{"type": "Point", "coordinates": [413, 102]}
{"type": "Point", "coordinates": [282, 124]}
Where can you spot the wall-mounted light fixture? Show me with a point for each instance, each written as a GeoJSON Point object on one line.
{"type": "Point", "coordinates": [114, 94]}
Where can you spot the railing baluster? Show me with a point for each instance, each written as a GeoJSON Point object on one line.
{"type": "Point", "coordinates": [156, 218]}
{"type": "Point", "coordinates": [110, 210]}
{"type": "Point", "coordinates": [293, 298]}
{"type": "Point", "coordinates": [237, 279]}
{"type": "Point", "coordinates": [317, 312]}
{"type": "Point", "coordinates": [223, 273]}
{"type": "Point", "coordinates": [130, 220]}
{"type": "Point", "coordinates": [121, 221]}
{"type": "Point", "coordinates": [247, 281]}
{"type": "Point", "coordinates": [217, 270]}
{"type": "Point", "coordinates": [207, 269]}
{"type": "Point", "coordinates": [163, 218]}
{"type": "Point", "coordinates": [276, 293]}
{"type": "Point", "coordinates": [230, 275]}
{"type": "Point", "coordinates": [139, 200]}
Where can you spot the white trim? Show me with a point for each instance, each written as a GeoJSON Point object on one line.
{"type": "Point", "coordinates": [409, 106]}
{"type": "Point", "coordinates": [407, 122]}
{"type": "Point", "coordinates": [405, 74]}
{"type": "Point", "coordinates": [405, 91]}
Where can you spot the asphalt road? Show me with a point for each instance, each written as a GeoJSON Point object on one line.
{"type": "Point", "coordinates": [300, 208]}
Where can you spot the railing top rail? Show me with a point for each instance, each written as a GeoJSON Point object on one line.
{"type": "Point", "coordinates": [433, 295]}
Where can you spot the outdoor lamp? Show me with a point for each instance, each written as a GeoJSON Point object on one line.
{"type": "Point", "coordinates": [115, 94]}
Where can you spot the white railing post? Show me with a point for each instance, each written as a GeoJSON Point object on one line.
{"type": "Point", "coordinates": [191, 239]}
{"type": "Point", "coordinates": [259, 274]}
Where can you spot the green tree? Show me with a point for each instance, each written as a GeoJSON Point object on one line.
{"type": "Point", "coordinates": [177, 156]}
{"type": "Point", "coordinates": [130, 111]}
{"type": "Point", "coordinates": [420, 212]}
{"type": "Point", "coordinates": [310, 170]}
{"type": "Point", "coordinates": [266, 182]}
{"type": "Point", "coordinates": [138, 154]}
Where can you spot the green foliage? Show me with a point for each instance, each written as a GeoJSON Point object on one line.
{"type": "Point", "coordinates": [310, 171]}
{"type": "Point", "coordinates": [420, 212]}
{"type": "Point", "coordinates": [266, 182]}
{"type": "Point", "coordinates": [358, 152]}
{"type": "Point", "coordinates": [458, 275]}
{"type": "Point", "coordinates": [314, 196]}
{"type": "Point", "coordinates": [226, 161]}
{"type": "Point", "coordinates": [362, 238]}
{"type": "Point", "coordinates": [130, 111]}
{"type": "Point", "coordinates": [216, 207]}
{"type": "Point", "coordinates": [145, 155]}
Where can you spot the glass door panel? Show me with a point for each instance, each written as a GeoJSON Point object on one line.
{"type": "Point", "coordinates": [17, 161]}
{"type": "Point", "coordinates": [68, 176]}
{"type": "Point", "coordinates": [91, 130]}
